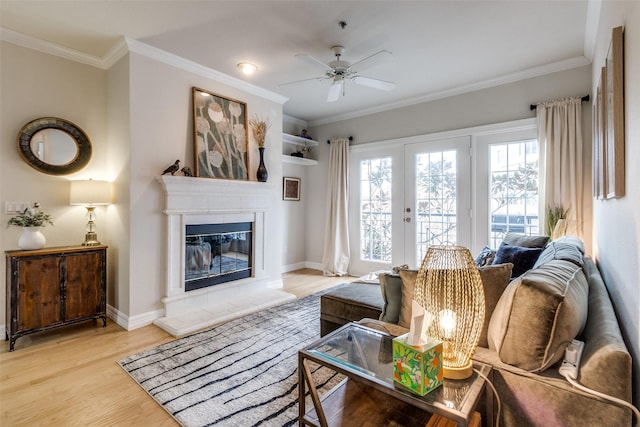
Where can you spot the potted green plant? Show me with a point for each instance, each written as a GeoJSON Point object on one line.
{"type": "Point", "coordinates": [31, 220]}
{"type": "Point", "coordinates": [556, 221]}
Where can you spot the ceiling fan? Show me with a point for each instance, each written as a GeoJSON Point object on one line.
{"type": "Point", "coordinates": [338, 71]}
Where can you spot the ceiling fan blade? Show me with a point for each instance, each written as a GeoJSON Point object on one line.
{"type": "Point", "coordinates": [313, 61]}
{"type": "Point", "coordinates": [334, 90]}
{"type": "Point", "coordinates": [319, 79]}
{"type": "Point", "coordinates": [370, 61]}
{"type": "Point", "coordinates": [374, 83]}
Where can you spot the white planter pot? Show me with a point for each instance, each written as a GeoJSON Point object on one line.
{"type": "Point", "coordinates": [31, 238]}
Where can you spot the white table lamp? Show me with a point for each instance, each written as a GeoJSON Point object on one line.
{"type": "Point", "coordinates": [90, 193]}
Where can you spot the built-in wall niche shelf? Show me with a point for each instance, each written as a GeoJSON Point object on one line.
{"type": "Point", "coordinates": [297, 141]}
{"type": "Point", "coordinates": [298, 160]}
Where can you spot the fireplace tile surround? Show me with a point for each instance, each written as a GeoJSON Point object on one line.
{"type": "Point", "coordinates": [190, 201]}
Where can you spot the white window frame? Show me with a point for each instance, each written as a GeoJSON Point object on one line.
{"type": "Point", "coordinates": [481, 138]}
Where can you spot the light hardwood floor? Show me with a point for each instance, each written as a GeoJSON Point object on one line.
{"type": "Point", "coordinates": [69, 376]}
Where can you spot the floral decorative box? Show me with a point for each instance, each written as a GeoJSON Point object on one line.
{"type": "Point", "coordinates": [417, 368]}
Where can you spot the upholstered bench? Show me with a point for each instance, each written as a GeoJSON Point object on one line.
{"type": "Point", "coordinates": [349, 302]}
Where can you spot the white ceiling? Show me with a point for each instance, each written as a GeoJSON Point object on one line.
{"type": "Point", "coordinates": [438, 47]}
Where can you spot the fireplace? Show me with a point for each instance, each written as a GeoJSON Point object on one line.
{"type": "Point", "coordinates": [195, 249]}
{"type": "Point", "coordinates": [217, 253]}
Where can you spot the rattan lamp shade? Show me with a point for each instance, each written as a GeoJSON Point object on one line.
{"type": "Point", "coordinates": [449, 287]}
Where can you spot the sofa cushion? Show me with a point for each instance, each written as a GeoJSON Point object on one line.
{"type": "Point", "coordinates": [495, 279]}
{"type": "Point", "coordinates": [525, 241]}
{"type": "Point", "coordinates": [391, 288]}
{"type": "Point", "coordinates": [563, 250]}
{"type": "Point", "coordinates": [538, 314]}
{"type": "Point", "coordinates": [522, 258]}
{"type": "Point", "coordinates": [408, 284]}
{"type": "Point", "coordinates": [349, 302]}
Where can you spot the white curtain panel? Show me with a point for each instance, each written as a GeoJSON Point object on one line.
{"type": "Point", "coordinates": [335, 259]}
{"type": "Point", "coordinates": [560, 139]}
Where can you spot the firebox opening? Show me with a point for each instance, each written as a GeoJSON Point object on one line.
{"type": "Point", "coordinates": [217, 253]}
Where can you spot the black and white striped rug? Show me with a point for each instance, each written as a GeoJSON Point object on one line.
{"type": "Point", "coordinates": [241, 373]}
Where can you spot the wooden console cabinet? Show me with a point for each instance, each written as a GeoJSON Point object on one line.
{"type": "Point", "coordinates": [52, 287]}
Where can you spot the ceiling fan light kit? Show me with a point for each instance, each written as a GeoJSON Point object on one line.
{"type": "Point", "coordinates": [339, 70]}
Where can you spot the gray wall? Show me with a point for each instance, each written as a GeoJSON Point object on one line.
{"type": "Point", "coordinates": [493, 105]}
{"type": "Point", "coordinates": [616, 233]}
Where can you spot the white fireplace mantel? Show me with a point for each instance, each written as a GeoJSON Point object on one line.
{"type": "Point", "coordinates": [190, 201]}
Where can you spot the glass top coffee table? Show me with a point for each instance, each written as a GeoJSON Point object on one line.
{"type": "Point", "coordinates": [364, 356]}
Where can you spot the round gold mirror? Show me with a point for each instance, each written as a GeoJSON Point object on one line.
{"type": "Point", "coordinates": [54, 146]}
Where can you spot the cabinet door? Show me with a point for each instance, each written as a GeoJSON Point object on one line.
{"type": "Point", "coordinates": [38, 302]}
{"type": "Point", "coordinates": [84, 285]}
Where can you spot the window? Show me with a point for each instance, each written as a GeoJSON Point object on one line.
{"type": "Point", "coordinates": [513, 189]}
{"type": "Point", "coordinates": [435, 200]}
{"type": "Point", "coordinates": [375, 209]}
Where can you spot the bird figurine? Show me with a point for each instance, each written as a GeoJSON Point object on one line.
{"type": "Point", "coordinates": [173, 168]}
{"type": "Point", "coordinates": [186, 171]}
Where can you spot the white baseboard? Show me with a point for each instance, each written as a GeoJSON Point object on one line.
{"type": "Point", "coordinates": [313, 265]}
{"type": "Point", "coordinates": [293, 267]}
{"type": "Point", "coordinates": [133, 322]}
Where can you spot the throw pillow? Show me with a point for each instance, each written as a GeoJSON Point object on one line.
{"type": "Point", "coordinates": [525, 241]}
{"type": "Point", "coordinates": [522, 258]}
{"type": "Point", "coordinates": [563, 250]}
{"type": "Point", "coordinates": [485, 257]}
{"type": "Point", "coordinates": [391, 288]}
{"type": "Point", "coordinates": [538, 314]}
{"type": "Point", "coordinates": [495, 279]}
{"type": "Point", "coordinates": [408, 285]}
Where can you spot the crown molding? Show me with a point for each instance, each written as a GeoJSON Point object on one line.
{"type": "Point", "coordinates": [459, 90]}
{"type": "Point", "coordinates": [33, 43]}
{"type": "Point", "coordinates": [126, 45]}
{"type": "Point", "coordinates": [294, 121]}
{"type": "Point", "coordinates": [195, 68]}
{"type": "Point", "coordinates": [594, 8]}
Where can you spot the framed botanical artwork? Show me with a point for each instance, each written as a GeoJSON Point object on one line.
{"type": "Point", "coordinates": [599, 140]}
{"type": "Point", "coordinates": [290, 188]}
{"type": "Point", "coordinates": [220, 136]}
{"type": "Point", "coordinates": [614, 107]}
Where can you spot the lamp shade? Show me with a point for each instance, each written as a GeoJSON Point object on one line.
{"type": "Point", "coordinates": [90, 192]}
{"type": "Point", "coordinates": [449, 287]}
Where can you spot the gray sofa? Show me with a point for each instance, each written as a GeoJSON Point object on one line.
{"type": "Point", "coordinates": [562, 296]}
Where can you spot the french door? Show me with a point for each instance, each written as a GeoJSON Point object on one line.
{"type": "Point", "coordinates": [437, 196]}
{"type": "Point", "coordinates": [408, 197]}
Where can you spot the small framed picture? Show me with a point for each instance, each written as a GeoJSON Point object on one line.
{"type": "Point", "coordinates": [290, 188]}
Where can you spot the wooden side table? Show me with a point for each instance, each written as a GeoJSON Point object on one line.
{"type": "Point", "coordinates": [52, 287]}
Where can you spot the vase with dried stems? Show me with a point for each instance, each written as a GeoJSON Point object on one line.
{"type": "Point", "coordinates": [259, 128]}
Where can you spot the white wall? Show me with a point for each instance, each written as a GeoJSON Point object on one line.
{"type": "Point", "coordinates": [34, 85]}
{"type": "Point", "coordinates": [138, 117]}
{"type": "Point", "coordinates": [161, 132]}
{"type": "Point", "coordinates": [119, 164]}
{"type": "Point", "coordinates": [616, 232]}
{"type": "Point", "coordinates": [493, 105]}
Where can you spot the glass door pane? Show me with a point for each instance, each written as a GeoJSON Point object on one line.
{"type": "Point", "coordinates": [437, 196]}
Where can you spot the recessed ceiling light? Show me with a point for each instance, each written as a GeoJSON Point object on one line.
{"type": "Point", "coordinates": [247, 68]}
